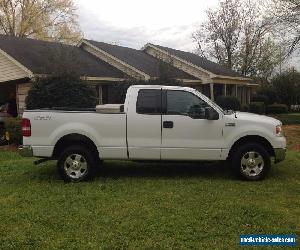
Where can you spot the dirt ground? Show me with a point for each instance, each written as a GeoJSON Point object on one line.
{"type": "Point", "coordinates": [11, 148]}
{"type": "Point", "coordinates": [292, 133]}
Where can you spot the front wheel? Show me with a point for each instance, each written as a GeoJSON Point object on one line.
{"type": "Point", "coordinates": [77, 164]}
{"type": "Point", "coordinates": [251, 161]}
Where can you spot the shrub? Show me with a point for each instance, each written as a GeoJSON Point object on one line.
{"type": "Point", "coordinates": [260, 98]}
{"type": "Point", "coordinates": [269, 92]}
{"type": "Point", "coordinates": [277, 109]}
{"type": "Point", "coordinates": [257, 107]}
{"type": "Point", "coordinates": [228, 102]}
{"type": "Point", "coordinates": [14, 127]}
{"type": "Point", "coordinates": [61, 91]}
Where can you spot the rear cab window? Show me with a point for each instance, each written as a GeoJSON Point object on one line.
{"type": "Point", "coordinates": [149, 102]}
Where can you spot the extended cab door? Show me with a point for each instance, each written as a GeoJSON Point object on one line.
{"type": "Point", "coordinates": [144, 124]}
{"type": "Point", "coordinates": [186, 134]}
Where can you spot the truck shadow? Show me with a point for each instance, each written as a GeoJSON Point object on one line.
{"type": "Point", "coordinates": [119, 169]}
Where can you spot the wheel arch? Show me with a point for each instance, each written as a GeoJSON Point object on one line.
{"type": "Point", "coordinates": [252, 139]}
{"type": "Point", "coordinates": [74, 139]}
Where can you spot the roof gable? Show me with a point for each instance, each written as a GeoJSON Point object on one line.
{"type": "Point", "coordinates": [201, 62]}
{"type": "Point", "coordinates": [138, 59]}
{"type": "Point", "coordinates": [39, 57]}
{"type": "Point", "coordinates": [10, 70]}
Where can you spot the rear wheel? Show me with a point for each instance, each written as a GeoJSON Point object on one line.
{"type": "Point", "coordinates": [251, 161]}
{"type": "Point", "coordinates": [77, 164]}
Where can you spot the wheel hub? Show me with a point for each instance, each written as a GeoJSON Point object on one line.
{"type": "Point", "coordinates": [252, 163]}
{"type": "Point", "coordinates": [76, 165]}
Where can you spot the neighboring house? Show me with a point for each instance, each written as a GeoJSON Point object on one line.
{"type": "Point", "coordinates": [21, 60]}
{"type": "Point", "coordinates": [102, 65]}
{"type": "Point", "coordinates": [215, 79]}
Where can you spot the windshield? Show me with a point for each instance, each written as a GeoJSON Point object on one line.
{"type": "Point", "coordinates": [210, 102]}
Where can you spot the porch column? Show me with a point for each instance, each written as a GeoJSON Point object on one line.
{"type": "Point", "coordinates": [211, 85]}
{"type": "Point", "coordinates": [242, 95]}
{"type": "Point", "coordinates": [100, 94]}
{"type": "Point", "coordinates": [236, 91]}
{"type": "Point", "coordinates": [249, 95]}
{"type": "Point", "coordinates": [225, 89]}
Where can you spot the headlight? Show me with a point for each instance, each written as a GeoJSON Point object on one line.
{"type": "Point", "coordinates": [279, 130]}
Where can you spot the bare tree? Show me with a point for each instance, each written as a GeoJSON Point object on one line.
{"type": "Point", "coordinates": [42, 19]}
{"type": "Point", "coordinates": [238, 35]}
{"type": "Point", "coordinates": [286, 15]}
{"type": "Point", "coordinates": [220, 33]}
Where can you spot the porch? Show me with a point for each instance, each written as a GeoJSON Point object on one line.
{"type": "Point", "coordinates": [212, 90]}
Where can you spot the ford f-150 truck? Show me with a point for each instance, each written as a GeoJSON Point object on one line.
{"type": "Point", "coordinates": [156, 123]}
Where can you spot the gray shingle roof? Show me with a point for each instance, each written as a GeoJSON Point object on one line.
{"type": "Point", "coordinates": [201, 62]}
{"type": "Point", "coordinates": [41, 57]}
{"type": "Point", "coordinates": [139, 60]}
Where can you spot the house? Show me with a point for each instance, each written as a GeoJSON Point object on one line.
{"type": "Point", "coordinates": [102, 65]}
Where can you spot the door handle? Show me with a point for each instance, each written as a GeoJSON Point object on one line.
{"type": "Point", "coordinates": [168, 124]}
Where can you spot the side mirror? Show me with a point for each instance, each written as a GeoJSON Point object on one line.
{"type": "Point", "coordinates": [211, 114]}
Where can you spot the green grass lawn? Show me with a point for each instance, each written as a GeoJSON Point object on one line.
{"type": "Point", "coordinates": [144, 206]}
{"type": "Point", "coordinates": [288, 119]}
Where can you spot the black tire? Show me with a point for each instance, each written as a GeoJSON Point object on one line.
{"type": "Point", "coordinates": [77, 164]}
{"type": "Point", "coordinates": [251, 161]}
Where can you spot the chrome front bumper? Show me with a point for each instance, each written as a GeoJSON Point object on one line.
{"type": "Point", "coordinates": [25, 151]}
{"type": "Point", "coordinates": [279, 154]}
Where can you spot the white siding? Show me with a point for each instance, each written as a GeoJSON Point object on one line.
{"type": "Point", "coordinates": [10, 71]}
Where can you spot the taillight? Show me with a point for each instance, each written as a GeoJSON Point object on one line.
{"type": "Point", "coordinates": [26, 127]}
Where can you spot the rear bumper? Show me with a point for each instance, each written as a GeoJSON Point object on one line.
{"type": "Point", "coordinates": [25, 151]}
{"type": "Point", "coordinates": [279, 154]}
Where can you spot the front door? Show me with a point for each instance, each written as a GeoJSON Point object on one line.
{"type": "Point", "coordinates": [186, 134]}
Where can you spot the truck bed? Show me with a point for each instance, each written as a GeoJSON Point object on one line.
{"type": "Point", "coordinates": [49, 125]}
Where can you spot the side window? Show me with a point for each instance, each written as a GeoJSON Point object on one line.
{"type": "Point", "coordinates": [149, 101]}
{"type": "Point", "coordinates": [185, 103]}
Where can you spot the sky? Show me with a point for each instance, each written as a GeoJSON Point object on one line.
{"type": "Point", "coordinates": [133, 23]}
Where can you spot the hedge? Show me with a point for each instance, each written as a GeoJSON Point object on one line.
{"type": "Point", "coordinates": [61, 91]}
{"type": "Point", "coordinates": [260, 98]}
{"type": "Point", "coordinates": [14, 127]}
{"type": "Point", "coordinates": [228, 102]}
{"type": "Point", "coordinates": [257, 107]}
{"type": "Point", "coordinates": [277, 109]}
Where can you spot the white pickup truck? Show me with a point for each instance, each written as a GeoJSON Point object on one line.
{"type": "Point", "coordinates": [163, 123]}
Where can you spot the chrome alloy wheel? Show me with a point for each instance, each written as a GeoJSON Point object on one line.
{"type": "Point", "coordinates": [75, 166]}
{"type": "Point", "coordinates": [252, 163]}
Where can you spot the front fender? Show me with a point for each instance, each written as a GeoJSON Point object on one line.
{"type": "Point", "coordinates": [233, 134]}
